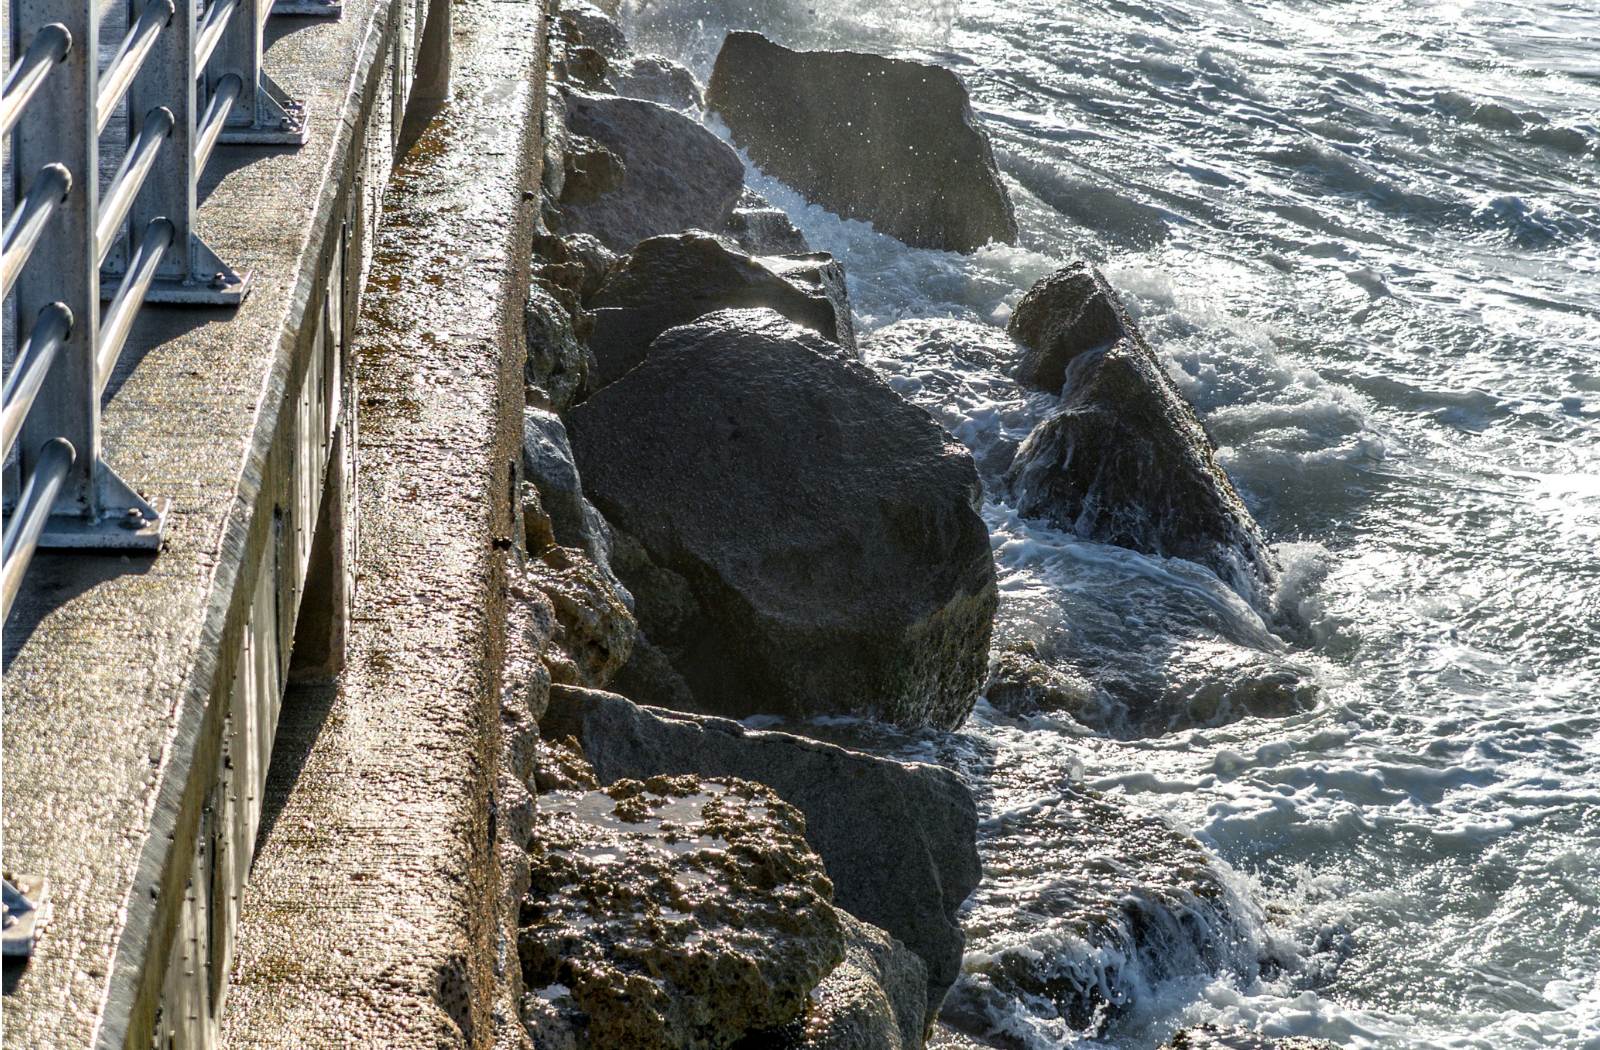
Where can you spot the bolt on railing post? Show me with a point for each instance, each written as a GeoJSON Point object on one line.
{"type": "Point", "coordinates": [58, 127]}
{"type": "Point", "coordinates": [191, 272]}
{"type": "Point", "coordinates": [263, 112]}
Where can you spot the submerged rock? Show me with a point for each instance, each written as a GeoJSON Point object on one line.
{"type": "Point", "coordinates": [671, 280]}
{"type": "Point", "coordinates": [1124, 459]}
{"type": "Point", "coordinates": [1111, 900]}
{"type": "Point", "coordinates": [875, 1000]}
{"type": "Point", "coordinates": [1215, 1037]}
{"type": "Point", "coordinates": [825, 531]}
{"type": "Point", "coordinates": [883, 140]}
{"type": "Point", "coordinates": [1020, 686]}
{"type": "Point", "coordinates": [898, 838]}
{"type": "Point", "coordinates": [678, 912]}
{"type": "Point", "coordinates": [678, 175]}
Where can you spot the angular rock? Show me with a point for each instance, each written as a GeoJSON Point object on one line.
{"type": "Point", "coordinates": [594, 630]}
{"type": "Point", "coordinates": [875, 1000]}
{"type": "Point", "coordinates": [1124, 459]}
{"type": "Point", "coordinates": [657, 79]}
{"type": "Point", "coordinates": [825, 529]}
{"type": "Point", "coordinates": [588, 26]}
{"type": "Point", "coordinates": [679, 175]}
{"type": "Point", "coordinates": [760, 229]}
{"type": "Point", "coordinates": [557, 366]}
{"type": "Point", "coordinates": [547, 464]}
{"type": "Point", "coordinates": [1070, 312]}
{"type": "Point", "coordinates": [1116, 899]}
{"type": "Point", "coordinates": [649, 678]}
{"type": "Point", "coordinates": [671, 280]}
{"type": "Point", "coordinates": [883, 140]}
{"type": "Point", "coordinates": [562, 766]}
{"type": "Point", "coordinates": [897, 838]}
{"type": "Point", "coordinates": [675, 913]}
{"type": "Point", "coordinates": [592, 171]}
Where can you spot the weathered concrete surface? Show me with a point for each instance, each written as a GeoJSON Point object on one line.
{"type": "Point", "coordinates": [114, 665]}
{"type": "Point", "coordinates": [370, 919]}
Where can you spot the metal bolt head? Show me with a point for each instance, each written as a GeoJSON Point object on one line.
{"type": "Point", "coordinates": [133, 519]}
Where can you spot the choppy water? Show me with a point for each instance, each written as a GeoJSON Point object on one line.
{"type": "Point", "coordinates": [1365, 235]}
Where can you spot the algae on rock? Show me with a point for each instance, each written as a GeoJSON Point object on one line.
{"type": "Point", "coordinates": [675, 913]}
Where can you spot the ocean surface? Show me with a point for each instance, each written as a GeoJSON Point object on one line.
{"type": "Point", "coordinates": [1364, 235]}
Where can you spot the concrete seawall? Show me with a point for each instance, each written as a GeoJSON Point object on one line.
{"type": "Point", "coordinates": [371, 918]}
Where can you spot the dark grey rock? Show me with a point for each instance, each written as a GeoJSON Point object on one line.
{"type": "Point", "coordinates": [679, 175]}
{"type": "Point", "coordinates": [760, 229]}
{"type": "Point", "coordinates": [1124, 459]}
{"type": "Point", "coordinates": [883, 140]}
{"type": "Point", "coordinates": [592, 171]}
{"type": "Point", "coordinates": [1070, 312]}
{"type": "Point", "coordinates": [657, 79]}
{"type": "Point", "coordinates": [588, 26]}
{"type": "Point", "coordinates": [897, 838]}
{"type": "Point", "coordinates": [670, 280]}
{"type": "Point", "coordinates": [825, 529]}
{"type": "Point", "coordinates": [547, 462]}
{"type": "Point", "coordinates": [557, 367]}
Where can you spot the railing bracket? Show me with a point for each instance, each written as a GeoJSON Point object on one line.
{"type": "Point", "coordinates": [27, 912]}
{"type": "Point", "coordinates": [278, 119]}
{"type": "Point", "coordinates": [117, 528]}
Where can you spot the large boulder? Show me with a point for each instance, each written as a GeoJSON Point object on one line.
{"type": "Point", "coordinates": [657, 79]}
{"type": "Point", "coordinates": [824, 530]}
{"type": "Point", "coordinates": [676, 913]}
{"type": "Point", "coordinates": [761, 229]}
{"type": "Point", "coordinates": [898, 838]}
{"type": "Point", "coordinates": [547, 464]}
{"type": "Point", "coordinates": [1124, 459]}
{"type": "Point", "coordinates": [670, 280]}
{"type": "Point", "coordinates": [557, 368]}
{"type": "Point", "coordinates": [883, 140]}
{"type": "Point", "coordinates": [677, 175]}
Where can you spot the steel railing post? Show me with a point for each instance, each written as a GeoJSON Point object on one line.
{"type": "Point", "coordinates": [191, 272]}
{"type": "Point", "coordinates": [57, 128]}
{"type": "Point", "coordinates": [264, 113]}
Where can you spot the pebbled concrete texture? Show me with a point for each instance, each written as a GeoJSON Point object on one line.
{"type": "Point", "coordinates": [113, 664]}
{"type": "Point", "coordinates": [375, 913]}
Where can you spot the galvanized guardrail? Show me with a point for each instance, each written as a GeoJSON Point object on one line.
{"type": "Point", "coordinates": [191, 77]}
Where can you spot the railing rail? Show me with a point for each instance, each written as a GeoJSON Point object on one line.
{"type": "Point", "coordinates": [191, 77]}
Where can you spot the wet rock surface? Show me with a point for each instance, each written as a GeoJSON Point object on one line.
{"type": "Point", "coordinates": [1107, 898]}
{"type": "Point", "coordinates": [760, 229]}
{"type": "Point", "coordinates": [875, 1000]}
{"type": "Point", "coordinates": [678, 175]}
{"type": "Point", "coordinates": [656, 79]}
{"type": "Point", "coordinates": [547, 464]}
{"type": "Point", "coordinates": [824, 530]}
{"type": "Point", "coordinates": [671, 280]}
{"type": "Point", "coordinates": [557, 368]}
{"type": "Point", "coordinates": [1214, 1037]}
{"type": "Point", "coordinates": [898, 838]}
{"type": "Point", "coordinates": [1070, 312]}
{"type": "Point", "coordinates": [594, 630]}
{"type": "Point", "coordinates": [1124, 460]}
{"type": "Point", "coordinates": [679, 912]}
{"type": "Point", "coordinates": [882, 140]}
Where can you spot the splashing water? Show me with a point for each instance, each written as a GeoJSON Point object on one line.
{"type": "Point", "coordinates": [1365, 239]}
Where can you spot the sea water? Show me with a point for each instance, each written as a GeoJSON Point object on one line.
{"type": "Point", "coordinates": [1364, 237]}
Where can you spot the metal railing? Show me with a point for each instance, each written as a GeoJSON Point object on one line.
{"type": "Point", "coordinates": [190, 77]}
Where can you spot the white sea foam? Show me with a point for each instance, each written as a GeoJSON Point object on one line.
{"type": "Point", "coordinates": [1421, 440]}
